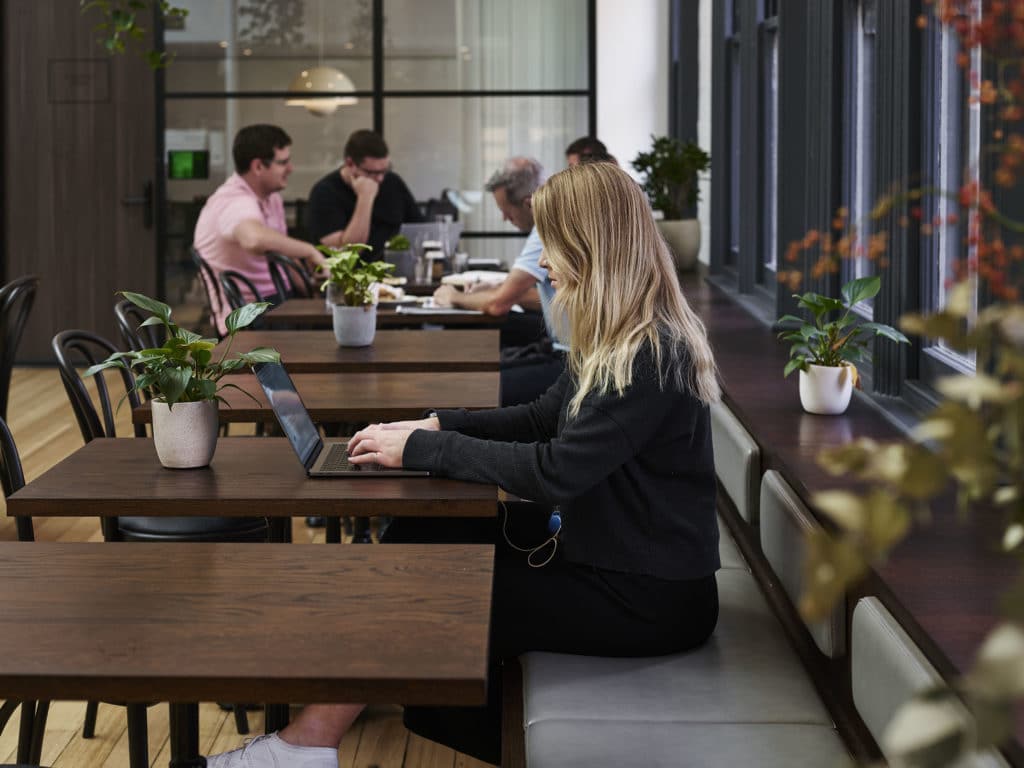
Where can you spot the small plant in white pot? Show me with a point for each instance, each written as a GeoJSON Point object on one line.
{"type": "Point", "coordinates": [184, 381]}
{"type": "Point", "coordinates": [352, 284]}
{"type": "Point", "coordinates": [824, 351]}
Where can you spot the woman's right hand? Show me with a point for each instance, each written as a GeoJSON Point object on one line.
{"type": "Point", "coordinates": [431, 423]}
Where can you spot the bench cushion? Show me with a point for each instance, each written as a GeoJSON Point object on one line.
{"type": "Point", "coordinates": [785, 523]}
{"type": "Point", "coordinates": [737, 461]}
{"type": "Point", "coordinates": [728, 552]}
{"type": "Point", "coordinates": [745, 673]}
{"type": "Point", "coordinates": [599, 743]}
{"type": "Point", "coordinates": [887, 669]}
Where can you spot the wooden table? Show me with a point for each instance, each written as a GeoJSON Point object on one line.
{"type": "Point", "coordinates": [391, 351]}
{"type": "Point", "coordinates": [360, 397]}
{"type": "Point", "coordinates": [121, 476]}
{"type": "Point", "coordinates": [397, 623]}
{"type": "Point", "coordinates": [311, 313]}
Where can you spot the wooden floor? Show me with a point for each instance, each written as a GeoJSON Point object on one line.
{"type": "Point", "coordinates": [45, 431]}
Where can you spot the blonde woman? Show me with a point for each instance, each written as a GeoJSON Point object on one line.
{"type": "Point", "coordinates": [620, 445]}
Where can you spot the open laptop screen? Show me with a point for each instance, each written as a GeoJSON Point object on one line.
{"type": "Point", "coordinates": [291, 413]}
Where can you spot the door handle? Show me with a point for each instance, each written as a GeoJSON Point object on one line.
{"type": "Point", "coordinates": [145, 200]}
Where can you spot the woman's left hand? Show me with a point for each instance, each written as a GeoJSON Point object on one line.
{"type": "Point", "coordinates": [378, 444]}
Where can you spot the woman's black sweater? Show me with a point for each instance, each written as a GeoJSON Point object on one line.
{"type": "Point", "coordinates": [633, 474]}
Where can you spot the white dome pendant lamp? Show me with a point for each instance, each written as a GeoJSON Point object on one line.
{"type": "Point", "coordinates": [321, 79]}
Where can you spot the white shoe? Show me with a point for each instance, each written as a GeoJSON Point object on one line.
{"type": "Point", "coordinates": [271, 751]}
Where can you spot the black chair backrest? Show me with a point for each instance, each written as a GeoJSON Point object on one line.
{"type": "Point", "coordinates": [215, 298]}
{"type": "Point", "coordinates": [234, 284]}
{"type": "Point", "coordinates": [12, 478]}
{"type": "Point", "coordinates": [15, 304]}
{"type": "Point", "coordinates": [136, 336]}
{"type": "Point", "coordinates": [291, 280]}
{"type": "Point", "coordinates": [77, 350]}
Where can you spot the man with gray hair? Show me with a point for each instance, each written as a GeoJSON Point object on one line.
{"type": "Point", "coordinates": [527, 282]}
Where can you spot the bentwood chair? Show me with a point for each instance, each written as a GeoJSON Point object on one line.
{"type": "Point", "coordinates": [15, 304]}
{"type": "Point", "coordinates": [134, 334]}
{"type": "Point", "coordinates": [235, 286]}
{"type": "Point", "coordinates": [33, 718]}
{"type": "Point", "coordinates": [291, 280]}
{"type": "Point", "coordinates": [215, 298]}
{"type": "Point", "coordinates": [76, 350]}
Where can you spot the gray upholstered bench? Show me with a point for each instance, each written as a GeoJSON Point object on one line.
{"type": "Point", "coordinates": [742, 699]}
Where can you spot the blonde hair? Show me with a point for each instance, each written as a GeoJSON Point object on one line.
{"type": "Point", "coordinates": [617, 284]}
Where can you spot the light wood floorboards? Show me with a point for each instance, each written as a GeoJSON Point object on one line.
{"type": "Point", "coordinates": [45, 431]}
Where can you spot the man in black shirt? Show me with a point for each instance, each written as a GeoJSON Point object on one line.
{"type": "Point", "coordinates": [363, 201]}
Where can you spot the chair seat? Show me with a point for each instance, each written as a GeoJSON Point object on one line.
{"type": "Point", "coordinates": [194, 528]}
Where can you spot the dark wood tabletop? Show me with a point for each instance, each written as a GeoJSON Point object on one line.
{"type": "Point", "coordinates": [123, 622]}
{"type": "Point", "coordinates": [248, 476]}
{"type": "Point", "coordinates": [392, 351]}
{"type": "Point", "coordinates": [312, 313]}
{"type": "Point", "coordinates": [359, 397]}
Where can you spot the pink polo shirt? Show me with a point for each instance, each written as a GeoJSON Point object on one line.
{"type": "Point", "coordinates": [232, 203]}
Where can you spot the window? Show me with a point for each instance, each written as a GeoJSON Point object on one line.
{"type": "Point", "coordinates": [769, 65]}
{"type": "Point", "coordinates": [858, 144]}
{"type": "Point", "coordinates": [735, 126]}
{"type": "Point", "coordinates": [952, 151]}
{"type": "Point", "coordinates": [454, 88]}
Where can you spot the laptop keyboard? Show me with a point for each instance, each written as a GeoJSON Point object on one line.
{"type": "Point", "coordinates": [337, 461]}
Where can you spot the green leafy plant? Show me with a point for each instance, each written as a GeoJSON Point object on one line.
{"type": "Point", "coordinates": [120, 24]}
{"type": "Point", "coordinates": [670, 174]}
{"type": "Point", "coordinates": [183, 369]}
{"type": "Point", "coordinates": [835, 342]}
{"type": "Point", "coordinates": [397, 243]}
{"type": "Point", "coordinates": [350, 275]}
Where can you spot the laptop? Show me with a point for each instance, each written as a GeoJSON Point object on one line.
{"type": "Point", "coordinates": [320, 458]}
{"type": "Point", "coordinates": [420, 231]}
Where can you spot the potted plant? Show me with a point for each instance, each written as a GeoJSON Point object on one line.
{"type": "Point", "coordinates": [184, 380]}
{"type": "Point", "coordinates": [669, 173]}
{"type": "Point", "coordinates": [824, 351]}
{"type": "Point", "coordinates": [398, 251]}
{"type": "Point", "coordinates": [351, 285]}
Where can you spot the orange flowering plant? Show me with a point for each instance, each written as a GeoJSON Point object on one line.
{"type": "Point", "coordinates": [973, 440]}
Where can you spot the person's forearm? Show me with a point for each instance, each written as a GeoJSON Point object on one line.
{"type": "Point", "coordinates": [259, 238]}
{"type": "Point", "coordinates": [358, 229]}
{"type": "Point", "coordinates": [477, 300]}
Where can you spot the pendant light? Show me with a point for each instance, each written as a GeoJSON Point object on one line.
{"type": "Point", "coordinates": [322, 79]}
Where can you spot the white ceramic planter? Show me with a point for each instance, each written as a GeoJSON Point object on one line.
{"type": "Point", "coordinates": [683, 237]}
{"type": "Point", "coordinates": [185, 435]}
{"type": "Point", "coordinates": [826, 390]}
{"type": "Point", "coordinates": [355, 326]}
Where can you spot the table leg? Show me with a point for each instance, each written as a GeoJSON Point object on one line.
{"type": "Point", "coordinates": [361, 531]}
{"type": "Point", "coordinates": [276, 717]}
{"type": "Point", "coordinates": [184, 736]}
{"type": "Point", "coordinates": [280, 529]}
{"type": "Point", "coordinates": [332, 530]}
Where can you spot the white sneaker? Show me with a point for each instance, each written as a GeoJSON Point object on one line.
{"type": "Point", "coordinates": [271, 751]}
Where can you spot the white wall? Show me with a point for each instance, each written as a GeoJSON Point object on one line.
{"type": "Point", "coordinates": [704, 124]}
{"type": "Point", "coordinates": [632, 75]}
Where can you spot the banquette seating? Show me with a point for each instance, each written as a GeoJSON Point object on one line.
{"type": "Point", "coordinates": [746, 697]}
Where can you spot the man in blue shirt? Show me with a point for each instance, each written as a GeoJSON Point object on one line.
{"type": "Point", "coordinates": [525, 375]}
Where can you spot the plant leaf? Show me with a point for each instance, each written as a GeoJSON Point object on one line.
{"type": "Point", "coordinates": [881, 329]}
{"type": "Point", "coordinates": [243, 316]}
{"type": "Point", "coordinates": [861, 289]}
{"type": "Point", "coordinates": [153, 306]}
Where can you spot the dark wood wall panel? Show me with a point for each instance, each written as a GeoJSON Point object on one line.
{"type": "Point", "coordinates": [79, 138]}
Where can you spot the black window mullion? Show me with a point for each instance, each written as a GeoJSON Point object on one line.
{"type": "Point", "coordinates": [378, 66]}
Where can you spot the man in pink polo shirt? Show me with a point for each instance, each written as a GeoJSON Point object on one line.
{"type": "Point", "coordinates": [244, 218]}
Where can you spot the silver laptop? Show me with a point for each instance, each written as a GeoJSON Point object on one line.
{"type": "Point", "coordinates": [420, 231]}
{"type": "Point", "coordinates": [320, 458]}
